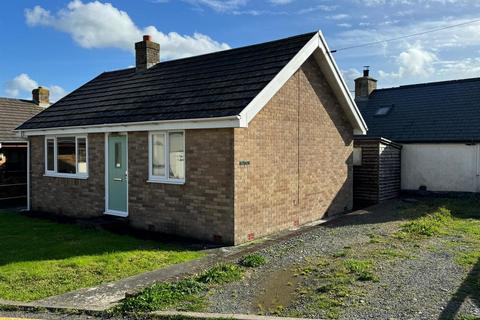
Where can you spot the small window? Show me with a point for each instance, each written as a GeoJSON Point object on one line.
{"type": "Point", "coordinates": [357, 156]}
{"type": "Point", "coordinates": [66, 156]}
{"type": "Point", "coordinates": [118, 155]}
{"type": "Point", "coordinates": [383, 111]}
{"type": "Point", "coordinates": [167, 157]}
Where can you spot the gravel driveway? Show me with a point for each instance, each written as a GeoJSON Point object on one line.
{"type": "Point", "coordinates": [413, 280]}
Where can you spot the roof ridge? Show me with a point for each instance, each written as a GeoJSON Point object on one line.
{"type": "Point", "coordinates": [433, 83]}
{"type": "Point", "coordinates": [16, 99]}
{"type": "Point", "coordinates": [223, 51]}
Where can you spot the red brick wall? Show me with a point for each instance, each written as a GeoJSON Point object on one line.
{"type": "Point", "coordinates": [201, 208]}
{"type": "Point", "coordinates": [299, 147]}
{"type": "Point", "coordinates": [70, 197]}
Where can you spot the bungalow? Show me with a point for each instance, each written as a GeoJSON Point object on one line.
{"type": "Point", "coordinates": [13, 149]}
{"type": "Point", "coordinates": [224, 147]}
{"type": "Point", "coordinates": [437, 127]}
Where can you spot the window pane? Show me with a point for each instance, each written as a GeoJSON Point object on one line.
{"type": "Point", "coordinates": [118, 155]}
{"type": "Point", "coordinates": [50, 154]}
{"type": "Point", "coordinates": [66, 155]}
{"type": "Point", "coordinates": [177, 156]}
{"type": "Point", "coordinates": [158, 155]}
{"type": "Point", "coordinates": [82, 155]}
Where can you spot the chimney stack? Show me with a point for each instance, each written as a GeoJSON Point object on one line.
{"type": "Point", "coordinates": [41, 96]}
{"type": "Point", "coordinates": [147, 53]}
{"type": "Point", "coordinates": [364, 85]}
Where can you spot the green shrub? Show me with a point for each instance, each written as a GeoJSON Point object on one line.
{"type": "Point", "coordinates": [221, 273]}
{"type": "Point", "coordinates": [253, 260]}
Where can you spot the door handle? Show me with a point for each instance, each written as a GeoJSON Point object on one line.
{"type": "Point", "coordinates": [117, 179]}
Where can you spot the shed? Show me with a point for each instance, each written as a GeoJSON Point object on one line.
{"type": "Point", "coordinates": [13, 149]}
{"type": "Point", "coordinates": [376, 170]}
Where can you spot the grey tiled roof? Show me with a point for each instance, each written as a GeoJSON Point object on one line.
{"type": "Point", "coordinates": [430, 112]}
{"type": "Point", "coordinates": [13, 112]}
{"type": "Point", "coordinates": [213, 85]}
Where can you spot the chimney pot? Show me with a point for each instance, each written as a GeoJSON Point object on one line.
{"type": "Point", "coordinates": [41, 96]}
{"type": "Point", "coordinates": [147, 53]}
{"type": "Point", "coordinates": [366, 71]}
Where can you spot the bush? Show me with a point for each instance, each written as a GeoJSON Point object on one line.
{"type": "Point", "coordinates": [221, 273]}
{"type": "Point", "coordinates": [253, 260]}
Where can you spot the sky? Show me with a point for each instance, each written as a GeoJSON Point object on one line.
{"type": "Point", "coordinates": [62, 44]}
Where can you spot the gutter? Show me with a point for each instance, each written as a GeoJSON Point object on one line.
{"type": "Point", "coordinates": [198, 123]}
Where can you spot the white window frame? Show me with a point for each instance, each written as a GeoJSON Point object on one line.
{"type": "Point", "coordinates": [54, 172]}
{"type": "Point", "coordinates": [166, 178]}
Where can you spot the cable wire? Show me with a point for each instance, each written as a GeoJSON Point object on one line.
{"type": "Point", "coordinates": [406, 36]}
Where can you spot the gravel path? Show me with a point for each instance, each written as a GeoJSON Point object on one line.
{"type": "Point", "coordinates": [415, 288]}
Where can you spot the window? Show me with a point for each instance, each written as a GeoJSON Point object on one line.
{"type": "Point", "coordinates": [167, 157]}
{"type": "Point", "coordinates": [357, 156]}
{"type": "Point", "coordinates": [382, 111]}
{"type": "Point", "coordinates": [66, 156]}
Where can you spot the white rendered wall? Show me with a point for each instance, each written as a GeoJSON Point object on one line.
{"type": "Point", "coordinates": [441, 167]}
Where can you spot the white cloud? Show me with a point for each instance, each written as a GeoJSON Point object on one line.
{"type": "Point", "coordinates": [280, 2]}
{"type": "Point", "coordinates": [344, 25]}
{"type": "Point", "coordinates": [425, 3]}
{"type": "Point", "coordinates": [339, 16]}
{"type": "Point", "coordinates": [320, 7]}
{"type": "Point", "coordinates": [349, 76]}
{"type": "Point", "coordinates": [413, 62]}
{"type": "Point", "coordinates": [22, 85]}
{"type": "Point", "coordinates": [219, 5]}
{"type": "Point", "coordinates": [101, 25]}
{"type": "Point", "coordinates": [56, 93]}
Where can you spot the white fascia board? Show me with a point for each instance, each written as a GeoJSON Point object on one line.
{"type": "Point", "coordinates": [207, 123]}
{"type": "Point", "coordinates": [318, 47]}
{"type": "Point", "coordinates": [340, 88]}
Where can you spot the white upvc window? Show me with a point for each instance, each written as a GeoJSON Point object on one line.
{"type": "Point", "coordinates": [166, 157]}
{"type": "Point", "coordinates": [66, 156]}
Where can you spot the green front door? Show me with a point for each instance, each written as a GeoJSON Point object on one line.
{"type": "Point", "coordinates": [117, 174]}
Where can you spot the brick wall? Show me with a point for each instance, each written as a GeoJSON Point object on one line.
{"type": "Point", "coordinates": [201, 208]}
{"type": "Point", "coordinates": [299, 147]}
{"type": "Point", "coordinates": [70, 197]}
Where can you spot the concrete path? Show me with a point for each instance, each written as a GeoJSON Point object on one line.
{"type": "Point", "coordinates": [201, 315]}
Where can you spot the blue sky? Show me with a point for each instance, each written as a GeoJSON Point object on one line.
{"type": "Point", "coordinates": [62, 44]}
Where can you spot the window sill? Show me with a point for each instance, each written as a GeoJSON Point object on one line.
{"type": "Point", "coordinates": [165, 181]}
{"type": "Point", "coordinates": [66, 175]}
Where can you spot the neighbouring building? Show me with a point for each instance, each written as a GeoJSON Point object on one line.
{"type": "Point", "coordinates": [13, 149]}
{"type": "Point", "coordinates": [437, 125]}
{"type": "Point", "coordinates": [226, 147]}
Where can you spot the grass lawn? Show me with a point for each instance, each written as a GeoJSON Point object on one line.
{"type": "Point", "coordinates": [39, 258]}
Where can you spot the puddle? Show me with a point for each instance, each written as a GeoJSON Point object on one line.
{"type": "Point", "coordinates": [278, 291]}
